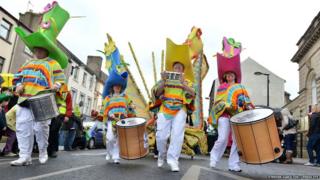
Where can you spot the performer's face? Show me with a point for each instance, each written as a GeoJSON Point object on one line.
{"type": "Point", "coordinates": [230, 77]}
{"type": "Point", "coordinates": [40, 53]}
{"type": "Point", "coordinates": [117, 89]}
{"type": "Point", "coordinates": [178, 67]}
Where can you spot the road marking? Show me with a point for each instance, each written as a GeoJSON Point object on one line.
{"type": "Point", "coordinates": [194, 172]}
{"type": "Point", "coordinates": [89, 154]}
{"type": "Point", "coordinates": [9, 160]}
{"type": "Point", "coordinates": [56, 173]}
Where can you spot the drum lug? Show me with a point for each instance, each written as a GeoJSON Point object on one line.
{"type": "Point", "coordinates": [276, 150]}
{"type": "Point", "coordinates": [240, 153]}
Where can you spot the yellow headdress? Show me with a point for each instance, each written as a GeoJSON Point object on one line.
{"type": "Point", "coordinates": [179, 53]}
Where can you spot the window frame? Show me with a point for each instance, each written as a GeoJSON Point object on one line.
{"type": "Point", "coordinates": [84, 79]}
{"type": "Point", "coordinates": [8, 30]}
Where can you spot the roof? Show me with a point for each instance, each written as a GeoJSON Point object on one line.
{"type": "Point", "coordinates": [249, 59]}
{"type": "Point", "coordinates": [311, 35]}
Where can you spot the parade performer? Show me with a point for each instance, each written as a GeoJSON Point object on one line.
{"type": "Point", "coordinates": [175, 95]}
{"type": "Point", "coordinates": [116, 104]}
{"type": "Point", "coordinates": [231, 98]}
{"type": "Point", "coordinates": [64, 103]}
{"type": "Point", "coordinates": [43, 72]}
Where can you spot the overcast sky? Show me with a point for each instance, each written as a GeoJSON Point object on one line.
{"type": "Point", "coordinates": [268, 30]}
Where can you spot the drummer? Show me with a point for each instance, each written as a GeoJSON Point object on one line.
{"type": "Point", "coordinates": [229, 76]}
{"type": "Point", "coordinates": [116, 107]}
{"type": "Point", "coordinates": [175, 96]}
{"type": "Point", "coordinates": [43, 72]}
{"type": "Point", "coordinates": [116, 104]}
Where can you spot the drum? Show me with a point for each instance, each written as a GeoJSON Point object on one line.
{"type": "Point", "coordinates": [43, 106]}
{"type": "Point", "coordinates": [257, 136]}
{"type": "Point", "coordinates": [133, 140]}
{"type": "Point", "coordinates": [172, 75]}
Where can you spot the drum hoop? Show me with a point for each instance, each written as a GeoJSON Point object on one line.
{"type": "Point", "coordinates": [128, 127]}
{"type": "Point", "coordinates": [252, 122]}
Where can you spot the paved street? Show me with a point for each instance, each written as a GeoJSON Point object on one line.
{"type": "Point", "coordinates": [90, 164]}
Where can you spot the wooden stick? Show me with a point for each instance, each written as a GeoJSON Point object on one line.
{"type": "Point", "coordinates": [154, 68]}
{"type": "Point", "coordinates": [162, 60]}
{"type": "Point", "coordinates": [140, 72]}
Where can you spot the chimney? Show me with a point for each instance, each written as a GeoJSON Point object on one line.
{"type": "Point", "coordinates": [30, 19]}
{"type": "Point", "coordinates": [95, 64]}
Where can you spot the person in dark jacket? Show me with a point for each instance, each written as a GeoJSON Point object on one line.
{"type": "Point", "coordinates": [314, 138]}
{"type": "Point", "coordinates": [4, 129]}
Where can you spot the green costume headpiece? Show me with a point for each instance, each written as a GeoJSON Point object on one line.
{"type": "Point", "coordinates": [53, 20]}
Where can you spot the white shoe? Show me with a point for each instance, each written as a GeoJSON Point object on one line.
{"type": "Point", "coordinates": [116, 161]}
{"type": "Point", "coordinates": [21, 162]}
{"type": "Point", "coordinates": [160, 162]}
{"type": "Point", "coordinates": [212, 164]}
{"type": "Point", "coordinates": [43, 157]}
{"type": "Point", "coordinates": [174, 166]}
{"type": "Point", "coordinates": [107, 157]}
{"type": "Point", "coordinates": [309, 164]}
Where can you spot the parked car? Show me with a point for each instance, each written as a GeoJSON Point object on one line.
{"type": "Point", "coordinates": [95, 134]}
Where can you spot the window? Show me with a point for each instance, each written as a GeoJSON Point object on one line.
{"type": "Point", "coordinates": [313, 92]}
{"type": "Point", "coordinates": [91, 82]}
{"type": "Point", "coordinates": [1, 63]}
{"type": "Point", "coordinates": [27, 51]}
{"type": "Point", "coordinates": [5, 28]}
{"type": "Point", "coordinates": [95, 101]}
{"type": "Point", "coordinates": [88, 105]}
{"type": "Point", "coordinates": [82, 98]}
{"type": "Point", "coordinates": [84, 79]}
{"type": "Point", "coordinates": [75, 72]}
{"type": "Point", "coordinates": [74, 96]}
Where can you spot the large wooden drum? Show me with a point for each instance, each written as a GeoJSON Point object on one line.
{"type": "Point", "coordinates": [257, 136]}
{"type": "Point", "coordinates": [133, 140]}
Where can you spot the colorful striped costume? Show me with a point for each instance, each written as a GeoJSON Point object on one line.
{"type": "Point", "coordinates": [39, 74]}
{"type": "Point", "coordinates": [174, 98]}
{"type": "Point", "coordinates": [117, 105]}
{"type": "Point", "coordinates": [230, 100]}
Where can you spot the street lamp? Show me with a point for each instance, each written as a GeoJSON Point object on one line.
{"type": "Point", "coordinates": [268, 83]}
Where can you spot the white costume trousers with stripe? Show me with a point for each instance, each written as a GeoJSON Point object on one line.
{"type": "Point", "coordinates": [26, 129]}
{"type": "Point", "coordinates": [174, 127]}
{"type": "Point", "coordinates": [112, 143]}
{"type": "Point", "coordinates": [222, 142]}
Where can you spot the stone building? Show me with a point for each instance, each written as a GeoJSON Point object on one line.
{"type": "Point", "coordinates": [307, 57]}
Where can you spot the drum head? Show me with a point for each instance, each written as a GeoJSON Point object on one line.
{"type": "Point", "coordinates": [41, 96]}
{"type": "Point", "coordinates": [131, 122]}
{"type": "Point", "coordinates": [251, 116]}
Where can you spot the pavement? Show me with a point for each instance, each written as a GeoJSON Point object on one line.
{"type": "Point", "coordinates": [91, 164]}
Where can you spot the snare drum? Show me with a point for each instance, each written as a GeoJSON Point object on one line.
{"type": "Point", "coordinates": [173, 75]}
{"type": "Point", "coordinates": [133, 140]}
{"type": "Point", "coordinates": [256, 136]}
{"type": "Point", "coordinates": [43, 106]}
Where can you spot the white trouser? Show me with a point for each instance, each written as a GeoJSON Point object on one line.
{"type": "Point", "coordinates": [221, 144]}
{"type": "Point", "coordinates": [174, 127]}
{"type": "Point", "coordinates": [112, 143]}
{"type": "Point", "coordinates": [26, 128]}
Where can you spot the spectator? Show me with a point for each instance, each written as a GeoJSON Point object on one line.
{"type": "Point", "coordinates": [289, 132]}
{"type": "Point", "coordinates": [314, 137]}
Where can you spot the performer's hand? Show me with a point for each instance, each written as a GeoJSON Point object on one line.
{"type": "Point", "coordinates": [163, 76]}
{"type": "Point", "coordinates": [66, 119]}
{"type": "Point", "coordinates": [19, 89]}
{"type": "Point", "coordinates": [56, 86]}
{"type": "Point", "coordinates": [112, 116]}
{"type": "Point", "coordinates": [182, 79]}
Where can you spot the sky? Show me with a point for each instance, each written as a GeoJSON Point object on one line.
{"type": "Point", "coordinates": [267, 29]}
